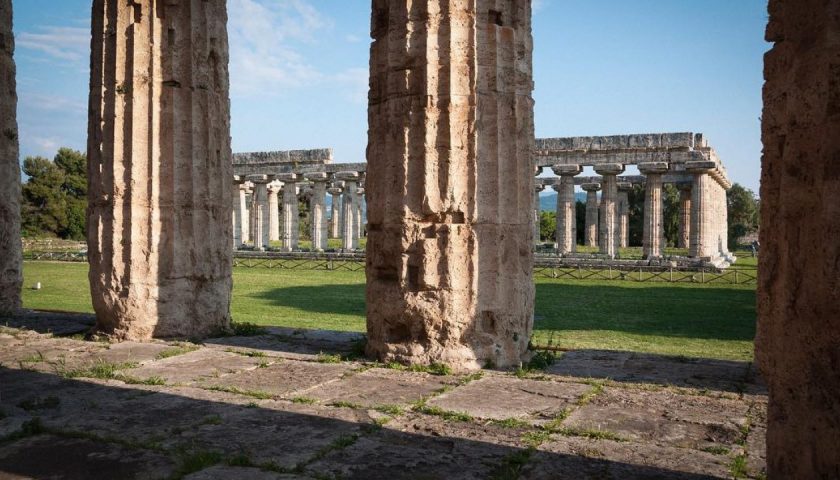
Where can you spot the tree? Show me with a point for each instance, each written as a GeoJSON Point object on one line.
{"type": "Point", "coordinates": [55, 196]}
{"type": "Point", "coordinates": [671, 213]}
{"type": "Point", "coordinates": [580, 221]}
{"type": "Point", "coordinates": [743, 212]}
{"type": "Point", "coordinates": [548, 226]}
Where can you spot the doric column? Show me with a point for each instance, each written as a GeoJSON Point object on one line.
{"type": "Point", "coordinates": [653, 231]}
{"type": "Point", "coordinates": [449, 262]}
{"type": "Point", "coordinates": [348, 210]}
{"type": "Point", "coordinates": [566, 208]}
{"type": "Point", "coordinates": [624, 214]}
{"type": "Point", "coordinates": [683, 239]}
{"type": "Point", "coordinates": [291, 212]}
{"type": "Point", "coordinates": [702, 218]}
{"type": "Point", "coordinates": [335, 212]}
{"type": "Point", "coordinates": [537, 189]}
{"type": "Point", "coordinates": [358, 219]}
{"type": "Point", "coordinates": [259, 212]}
{"type": "Point", "coordinates": [242, 212]}
{"type": "Point", "coordinates": [608, 214]}
{"type": "Point", "coordinates": [274, 188]}
{"type": "Point", "coordinates": [11, 271]}
{"type": "Point", "coordinates": [318, 210]}
{"type": "Point", "coordinates": [236, 214]}
{"type": "Point", "coordinates": [159, 169]}
{"type": "Point", "coordinates": [590, 234]}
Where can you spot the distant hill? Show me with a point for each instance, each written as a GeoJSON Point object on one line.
{"type": "Point", "coordinates": [549, 202]}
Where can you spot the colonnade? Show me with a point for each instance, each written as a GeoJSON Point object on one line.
{"type": "Point", "coordinates": [703, 218]}
{"type": "Point", "coordinates": [265, 209]}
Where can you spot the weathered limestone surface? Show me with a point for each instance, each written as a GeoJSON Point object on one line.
{"type": "Point", "coordinates": [318, 210]}
{"type": "Point", "coordinates": [608, 219]}
{"type": "Point", "coordinates": [645, 141]}
{"type": "Point", "coordinates": [624, 214]}
{"type": "Point", "coordinates": [291, 216]}
{"type": "Point", "coordinates": [536, 223]}
{"type": "Point", "coordinates": [335, 212]}
{"type": "Point", "coordinates": [348, 210]}
{"type": "Point", "coordinates": [590, 236]}
{"type": "Point", "coordinates": [159, 220]}
{"type": "Point", "coordinates": [11, 271]}
{"type": "Point", "coordinates": [450, 173]}
{"type": "Point", "coordinates": [799, 288]}
{"type": "Point", "coordinates": [653, 236]}
{"type": "Point", "coordinates": [566, 208]}
{"type": "Point", "coordinates": [684, 236]}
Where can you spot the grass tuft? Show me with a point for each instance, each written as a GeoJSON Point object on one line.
{"type": "Point", "coordinates": [176, 350]}
{"type": "Point", "coordinates": [260, 395]}
{"type": "Point", "coordinates": [390, 409]}
{"type": "Point", "coordinates": [445, 414]}
{"type": "Point", "coordinates": [245, 329]}
{"type": "Point", "coordinates": [197, 461]}
{"type": "Point", "coordinates": [304, 400]}
{"type": "Point", "coordinates": [511, 466]}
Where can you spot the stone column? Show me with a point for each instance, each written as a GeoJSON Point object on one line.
{"type": "Point", "coordinates": [358, 219]}
{"type": "Point", "coordinates": [274, 188]}
{"type": "Point", "coordinates": [653, 231]}
{"type": "Point", "coordinates": [566, 208]}
{"type": "Point", "coordinates": [291, 212]}
{"type": "Point", "coordinates": [318, 210]}
{"type": "Point", "coordinates": [608, 213]}
{"type": "Point", "coordinates": [259, 212]}
{"type": "Point", "coordinates": [348, 210]}
{"type": "Point", "coordinates": [799, 286]}
{"type": "Point", "coordinates": [11, 270]}
{"type": "Point", "coordinates": [624, 214]}
{"type": "Point", "coordinates": [236, 214]}
{"type": "Point", "coordinates": [702, 244]}
{"type": "Point", "coordinates": [537, 237]}
{"type": "Point", "coordinates": [590, 235]}
{"type": "Point", "coordinates": [244, 215]}
{"type": "Point", "coordinates": [159, 169]}
{"type": "Point", "coordinates": [335, 212]}
{"type": "Point", "coordinates": [449, 262]}
{"type": "Point", "coordinates": [683, 239]}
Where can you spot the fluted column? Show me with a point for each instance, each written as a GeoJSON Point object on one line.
{"type": "Point", "coordinates": [702, 218]}
{"type": "Point", "coordinates": [684, 237]}
{"type": "Point", "coordinates": [566, 208]}
{"type": "Point", "coordinates": [358, 219]}
{"type": "Point", "coordinates": [348, 209]}
{"type": "Point", "coordinates": [236, 214]}
{"type": "Point", "coordinates": [335, 212]}
{"type": "Point", "coordinates": [608, 214]}
{"type": "Point", "coordinates": [624, 214]}
{"type": "Point", "coordinates": [318, 210]}
{"type": "Point", "coordinates": [259, 212]}
{"type": "Point", "coordinates": [590, 235]}
{"type": "Point", "coordinates": [536, 224]}
{"type": "Point", "coordinates": [11, 270]}
{"type": "Point", "coordinates": [653, 230]}
{"type": "Point", "coordinates": [274, 188]}
{"type": "Point", "coordinates": [243, 213]}
{"type": "Point", "coordinates": [291, 212]}
{"type": "Point", "coordinates": [159, 169]}
{"type": "Point", "coordinates": [449, 258]}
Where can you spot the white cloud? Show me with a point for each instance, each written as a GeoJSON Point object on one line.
{"type": "Point", "coordinates": [51, 103]}
{"type": "Point", "coordinates": [63, 43]}
{"type": "Point", "coordinates": [265, 36]}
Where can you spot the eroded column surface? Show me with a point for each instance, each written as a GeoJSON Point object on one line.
{"type": "Point", "coordinates": [349, 241]}
{"type": "Point", "coordinates": [274, 188]}
{"type": "Point", "coordinates": [11, 272]}
{"type": "Point", "coordinates": [702, 236]}
{"type": "Point", "coordinates": [260, 223]}
{"type": "Point", "coordinates": [159, 169]}
{"type": "Point", "coordinates": [318, 210]}
{"type": "Point", "coordinates": [335, 212]}
{"type": "Point", "coordinates": [684, 236]}
{"type": "Point", "coordinates": [653, 230]}
{"type": "Point", "coordinates": [536, 225]}
{"type": "Point", "coordinates": [624, 214]}
{"type": "Point", "coordinates": [590, 234]}
{"type": "Point", "coordinates": [608, 213]}
{"type": "Point", "coordinates": [799, 287]}
{"type": "Point", "coordinates": [450, 198]}
{"type": "Point", "coordinates": [243, 213]}
{"type": "Point", "coordinates": [291, 212]}
{"type": "Point", "coordinates": [359, 218]}
{"type": "Point", "coordinates": [566, 208]}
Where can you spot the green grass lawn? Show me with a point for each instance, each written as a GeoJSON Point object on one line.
{"type": "Point", "coordinates": [712, 321]}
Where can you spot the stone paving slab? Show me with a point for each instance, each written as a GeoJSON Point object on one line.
{"type": "Point", "coordinates": [196, 366]}
{"type": "Point", "coordinates": [582, 458]}
{"type": "Point", "coordinates": [512, 398]}
{"type": "Point", "coordinates": [396, 456]}
{"type": "Point", "coordinates": [60, 324]}
{"type": "Point", "coordinates": [287, 378]}
{"type": "Point", "coordinates": [274, 346]}
{"type": "Point", "coordinates": [721, 375]}
{"type": "Point", "coordinates": [50, 457]}
{"type": "Point", "coordinates": [380, 386]}
{"type": "Point", "coordinates": [664, 417]}
{"type": "Point", "coordinates": [240, 473]}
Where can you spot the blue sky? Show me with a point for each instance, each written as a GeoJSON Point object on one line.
{"type": "Point", "coordinates": [299, 73]}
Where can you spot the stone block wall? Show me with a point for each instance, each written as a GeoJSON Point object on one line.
{"type": "Point", "coordinates": [11, 271]}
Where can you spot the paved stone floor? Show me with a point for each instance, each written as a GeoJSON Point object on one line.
{"type": "Point", "coordinates": [284, 404]}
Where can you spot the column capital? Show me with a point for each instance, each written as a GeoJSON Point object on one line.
{"type": "Point", "coordinates": [246, 186]}
{"type": "Point", "coordinates": [255, 179]}
{"type": "Point", "coordinates": [591, 187]}
{"type": "Point", "coordinates": [316, 177]}
{"type": "Point", "coordinates": [609, 169]}
{"type": "Point", "coordinates": [360, 191]}
{"type": "Point", "coordinates": [567, 170]}
{"type": "Point", "coordinates": [274, 187]}
{"type": "Point", "coordinates": [700, 167]}
{"type": "Point", "coordinates": [347, 176]}
{"type": "Point", "coordinates": [335, 190]}
{"type": "Point", "coordinates": [652, 168]}
{"type": "Point", "coordinates": [538, 187]}
{"type": "Point", "coordinates": [625, 186]}
{"type": "Point", "coordinates": [288, 177]}
{"type": "Point", "coordinates": [538, 170]}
